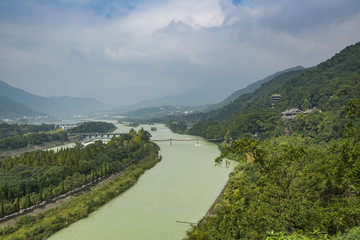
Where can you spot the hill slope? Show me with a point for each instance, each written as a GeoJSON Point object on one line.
{"type": "Point", "coordinates": [55, 106]}
{"type": "Point", "coordinates": [300, 185]}
{"type": "Point", "coordinates": [328, 86]}
{"type": "Point", "coordinates": [252, 87]}
{"type": "Point", "coordinates": [12, 109]}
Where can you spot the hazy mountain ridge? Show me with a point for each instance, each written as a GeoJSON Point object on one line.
{"type": "Point", "coordinates": [232, 109]}
{"type": "Point", "coordinates": [12, 109]}
{"type": "Point", "coordinates": [159, 112]}
{"type": "Point", "coordinates": [55, 106]}
{"type": "Point", "coordinates": [251, 88]}
{"type": "Point", "coordinates": [202, 98]}
{"type": "Point", "coordinates": [197, 97]}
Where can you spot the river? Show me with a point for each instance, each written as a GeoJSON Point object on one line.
{"type": "Point", "coordinates": [182, 187]}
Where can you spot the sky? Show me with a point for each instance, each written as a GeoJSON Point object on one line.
{"type": "Point", "coordinates": [123, 51]}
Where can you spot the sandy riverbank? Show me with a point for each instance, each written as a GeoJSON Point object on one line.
{"type": "Point", "coordinates": [15, 152]}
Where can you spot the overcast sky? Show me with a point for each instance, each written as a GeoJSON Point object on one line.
{"type": "Point", "coordinates": [125, 51]}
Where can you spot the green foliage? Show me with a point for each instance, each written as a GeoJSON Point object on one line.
{"type": "Point", "coordinates": [177, 126]}
{"type": "Point", "coordinates": [302, 186]}
{"type": "Point", "coordinates": [15, 142]}
{"type": "Point", "coordinates": [13, 136]}
{"type": "Point", "coordinates": [32, 177]}
{"type": "Point", "coordinates": [321, 126]}
{"type": "Point", "coordinates": [93, 127]}
{"type": "Point", "coordinates": [10, 130]}
{"type": "Point", "coordinates": [208, 129]}
{"type": "Point", "coordinates": [290, 189]}
{"type": "Point", "coordinates": [262, 124]}
{"type": "Point", "coordinates": [44, 225]}
{"type": "Point", "coordinates": [328, 86]}
{"type": "Point", "coordinates": [350, 234]}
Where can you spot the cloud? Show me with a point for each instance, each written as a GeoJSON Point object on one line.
{"type": "Point", "coordinates": [170, 45]}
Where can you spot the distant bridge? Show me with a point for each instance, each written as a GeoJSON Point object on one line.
{"type": "Point", "coordinates": [104, 136]}
{"type": "Point", "coordinates": [97, 136]}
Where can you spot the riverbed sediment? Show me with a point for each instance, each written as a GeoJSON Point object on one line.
{"type": "Point", "coordinates": [15, 152]}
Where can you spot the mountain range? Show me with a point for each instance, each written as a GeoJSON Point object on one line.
{"type": "Point", "coordinates": [200, 99]}
{"type": "Point", "coordinates": [12, 109]}
{"type": "Point", "coordinates": [252, 87]}
{"type": "Point", "coordinates": [16, 102]}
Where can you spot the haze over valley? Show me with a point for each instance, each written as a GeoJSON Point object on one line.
{"type": "Point", "coordinates": [176, 119]}
{"type": "Point", "coordinates": [125, 52]}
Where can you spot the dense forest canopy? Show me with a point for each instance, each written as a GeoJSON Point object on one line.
{"type": "Point", "coordinates": [327, 87]}
{"type": "Point", "coordinates": [11, 130]}
{"type": "Point", "coordinates": [93, 127]}
{"type": "Point", "coordinates": [30, 178]}
{"type": "Point", "coordinates": [290, 185]}
{"type": "Point", "coordinates": [299, 178]}
{"type": "Point", "coordinates": [13, 136]}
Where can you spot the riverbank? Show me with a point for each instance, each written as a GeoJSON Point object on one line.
{"type": "Point", "coordinates": [45, 224]}
{"type": "Point", "coordinates": [220, 202]}
{"type": "Point", "coordinates": [15, 152]}
{"type": "Point", "coordinates": [182, 187]}
{"type": "Point", "coordinates": [10, 220]}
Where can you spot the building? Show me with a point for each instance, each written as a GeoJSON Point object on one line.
{"type": "Point", "coordinates": [291, 113]}
{"type": "Point", "coordinates": [274, 98]}
{"type": "Point", "coordinates": [66, 127]}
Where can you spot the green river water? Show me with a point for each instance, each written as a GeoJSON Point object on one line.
{"type": "Point", "coordinates": [182, 187]}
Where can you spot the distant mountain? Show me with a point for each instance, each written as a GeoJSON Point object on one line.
{"type": "Point", "coordinates": [202, 96]}
{"type": "Point", "coordinates": [252, 87]}
{"type": "Point", "coordinates": [12, 109]}
{"type": "Point", "coordinates": [55, 106]}
{"type": "Point", "coordinates": [231, 110]}
{"type": "Point", "coordinates": [76, 106]}
{"type": "Point", "coordinates": [199, 99]}
{"type": "Point", "coordinates": [37, 103]}
{"type": "Point", "coordinates": [190, 99]}
{"type": "Point", "coordinates": [158, 112]}
{"type": "Point", "coordinates": [208, 96]}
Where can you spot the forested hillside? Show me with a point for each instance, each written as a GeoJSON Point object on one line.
{"type": "Point", "coordinates": [301, 183]}
{"type": "Point", "coordinates": [328, 87]}
{"type": "Point", "coordinates": [13, 136]}
{"type": "Point", "coordinates": [31, 178]}
{"type": "Point", "coordinates": [93, 127]}
{"type": "Point", "coordinates": [251, 88]}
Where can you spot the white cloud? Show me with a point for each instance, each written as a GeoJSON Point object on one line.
{"type": "Point", "coordinates": [167, 44]}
